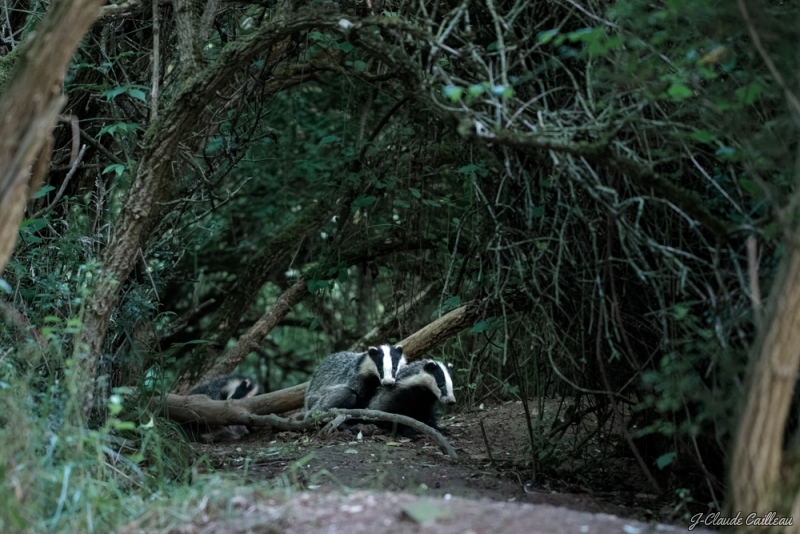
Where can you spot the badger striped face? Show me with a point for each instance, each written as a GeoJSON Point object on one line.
{"type": "Point", "coordinates": [389, 359]}
{"type": "Point", "coordinates": [239, 388]}
{"type": "Point", "coordinates": [445, 382]}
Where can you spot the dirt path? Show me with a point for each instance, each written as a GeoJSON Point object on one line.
{"type": "Point", "coordinates": [472, 494]}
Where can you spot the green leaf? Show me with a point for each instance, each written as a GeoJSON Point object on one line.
{"type": "Point", "coordinates": [314, 286]}
{"type": "Point", "coordinates": [665, 459]}
{"type": "Point", "coordinates": [362, 202]}
{"type": "Point", "coordinates": [401, 203]}
{"type": "Point", "coordinates": [43, 191]}
{"type": "Point", "coordinates": [772, 230]}
{"type": "Point", "coordinates": [415, 192]}
{"type": "Point", "coordinates": [453, 93]}
{"type": "Point", "coordinates": [476, 90]}
{"type": "Point", "coordinates": [451, 303]}
{"type": "Point", "coordinates": [748, 185]}
{"type": "Point", "coordinates": [749, 93]}
{"type": "Point", "coordinates": [345, 47]}
{"type": "Point", "coordinates": [138, 94]}
{"type": "Point", "coordinates": [703, 136]}
{"type": "Point", "coordinates": [479, 327]}
{"type": "Point", "coordinates": [678, 91]}
{"type": "Point", "coordinates": [680, 311]}
{"type": "Point", "coordinates": [546, 36]}
{"type": "Point", "coordinates": [116, 167]}
{"type": "Point", "coordinates": [33, 225]}
{"type": "Point", "coordinates": [431, 203]}
{"type": "Point", "coordinates": [329, 139]}
{"type": "Point", "coordinates": [359, 65]}
{"type": "Point", "coordinates": [426, 512]}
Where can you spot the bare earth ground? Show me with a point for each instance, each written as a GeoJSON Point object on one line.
{"type": "Point", "coordinates": [429, 491]}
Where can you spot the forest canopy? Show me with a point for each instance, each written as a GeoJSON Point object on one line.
{"type": "Point", "coordinates": [606, 192]}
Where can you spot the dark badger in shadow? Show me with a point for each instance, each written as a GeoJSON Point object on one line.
{"type": "Point", "coordinates": [350, 379]}
{"type": "Point", "coordinates": [420, 387]}
{"type": "Point", "coordinates": [223, 388]}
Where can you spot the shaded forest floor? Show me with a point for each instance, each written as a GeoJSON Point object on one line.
{"type": "Point", "coordinates": [345, 480]}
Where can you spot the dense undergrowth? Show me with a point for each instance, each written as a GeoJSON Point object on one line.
{"type": "Point", "coordinates": [602, 179]}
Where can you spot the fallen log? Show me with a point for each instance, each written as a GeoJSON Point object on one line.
{"type": "Point", "coordinates": [202, 409]}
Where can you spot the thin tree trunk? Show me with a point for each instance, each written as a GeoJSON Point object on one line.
{"type": "Point", "coordinates": [757, 454]}
{"type": "Point", "coordinates": [154, 174]}
{"type": "Point", "coordinates": [29, 107]}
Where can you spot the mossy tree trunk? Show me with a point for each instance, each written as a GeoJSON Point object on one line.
{"type": "Point", "coordinates": [29, 107]}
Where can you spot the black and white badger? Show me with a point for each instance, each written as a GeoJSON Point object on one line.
{"type": "Point", "coordinates": [228, 387]}
{"type": "Point", "coordinates": [350, 379]}
{"type": "Point", "coordinates": [420, 386]}
{"type": "Point", "coordinates": [223, 388]}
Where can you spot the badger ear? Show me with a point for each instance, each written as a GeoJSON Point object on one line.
{"type": "Point", "coordinates": [399, 348]}
{"type": "Point", "coordinates": [373, 351]}
{"type": "Point", "coordinates": [430, 366]}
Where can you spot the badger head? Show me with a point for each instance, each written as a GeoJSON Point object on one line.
{"type": "Point", "coordinates": [388, 359]}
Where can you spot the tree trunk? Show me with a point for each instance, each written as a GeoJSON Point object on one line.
{"type": "Point", "coordinates": [154, 173]}
{"type": "Point", "coordinates": [30, 104]}
{"type": "Point", "coordinates": [759, 440]}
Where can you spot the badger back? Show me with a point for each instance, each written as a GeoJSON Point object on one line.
{"type": "Point", "coordinates": [339, 381]}
{"type": "Point", "coordinates": [388, 360]}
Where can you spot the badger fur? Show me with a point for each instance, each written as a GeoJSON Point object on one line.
{"type": "Point", "coordinates": [420, 386]}
{"type": "Point", "coordinates": [350, 379]}
{"type": "Point", "coordinates": [228, 387]}
{"type": "Point", "coordinates": [223, 388]}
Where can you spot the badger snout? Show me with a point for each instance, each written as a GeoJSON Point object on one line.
{"type": "Point", "coordinates": [388, 381]}
{"type": "Point", "coordinates": [450, 399]}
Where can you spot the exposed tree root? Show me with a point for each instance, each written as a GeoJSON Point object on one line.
{"type": "Point", "coordinates": [204, 410]}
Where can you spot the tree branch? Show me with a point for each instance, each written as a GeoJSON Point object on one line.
{"type": "Point", "coordinates": [599, 152]}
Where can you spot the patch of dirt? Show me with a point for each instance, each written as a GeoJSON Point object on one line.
{"type": "Point", "coordinates": [369, 512]}
{"type": "Point", "coordinates": [323, 463]}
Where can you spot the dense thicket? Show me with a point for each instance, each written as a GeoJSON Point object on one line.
{"type": "Point", "coordinates": [609, 186]}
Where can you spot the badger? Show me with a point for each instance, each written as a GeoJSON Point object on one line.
{"type": "Point", "coordinates": [420, 385]}
{"type": "Point", "coordinates": [223, 388]}
{"type": "Point", "coordinates": [228, 387]}
{"type": "Point", "coordinates": [350, 379]}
